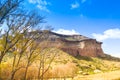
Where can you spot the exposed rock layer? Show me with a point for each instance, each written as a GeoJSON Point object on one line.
{"type": "Point", "coordinates": [75, 44]}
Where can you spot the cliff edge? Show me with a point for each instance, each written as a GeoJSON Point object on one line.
{"type": "Point", "coordinates": [73, 44]}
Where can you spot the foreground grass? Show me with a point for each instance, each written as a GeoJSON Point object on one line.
{"type": "Point", "coordinates": [65, 66]}
{"type": "Point", "coordinates": [113, 75]}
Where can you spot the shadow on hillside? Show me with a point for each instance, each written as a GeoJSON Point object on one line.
{"type": "Point", "coordinates": [79, 57]}
{"type": "Point", "coordinates": [110, 58]}
{"type": "Point", "coordinates": [106, 57]}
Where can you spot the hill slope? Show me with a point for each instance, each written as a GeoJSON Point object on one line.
{"type": "Point", "coordinates": [86, 64]}
{"type": "Point", "coordinates": [63, 65]}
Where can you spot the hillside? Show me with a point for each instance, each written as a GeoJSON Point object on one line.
{"type": "Point", "coordinates": [86, 64]}
{"type": "Point", "coordinates": [63, 65]}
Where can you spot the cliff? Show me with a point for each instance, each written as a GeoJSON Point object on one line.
{"type": "Point", "coordinates": [73, 44]}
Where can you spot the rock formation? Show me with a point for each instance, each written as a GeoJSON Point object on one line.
{"type": "Point", "coordinates": [74, 44]}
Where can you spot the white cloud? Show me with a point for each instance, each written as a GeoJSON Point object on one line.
{"type": "Point", "coordinates": [111, 41]}
{"type": "Point", "coordinates": [108, 34]}
{"type": "Point", "coordinates": [66, 32]}
{"type": "Point", "coordinates": [44, 8]}
{"type": "Point", "coordinates": [33, 1]}
{"type": "Point", "coordinates": [117, 55]}
{"type": "Point", "coordinates": [41, 4]}
{"type": "Point", "coordinates": [83, 1]}
{"type": "Point", "coordinates": [75, 5]}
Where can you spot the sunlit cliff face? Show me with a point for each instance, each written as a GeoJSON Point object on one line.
{"type": "Point", "coordinates": [75, 44]}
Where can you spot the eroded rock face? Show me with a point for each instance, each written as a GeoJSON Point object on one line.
{"type": "Point", "coordinates": [89, 47]}
{"type": "Point", "coordinates": [75, 44]}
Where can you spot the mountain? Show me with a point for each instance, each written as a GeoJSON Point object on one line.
{"type": "Point", "coordinates": [75, 45]}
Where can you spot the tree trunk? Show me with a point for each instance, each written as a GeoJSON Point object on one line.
{"type": "Point", "coordinates": [13, 68]}
{"type": "Point", "coordinates": [19, 60]}
{"type": "Point", "coordinates": [12, 75]}
{"type": "Point", "coordinates": [1, 57]}
{"type": "Point", "coordinates": [25, 76]}
{"type": "Point", "coordinates": [39, 72]}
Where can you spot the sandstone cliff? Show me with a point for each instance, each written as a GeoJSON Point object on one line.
{"type": "Point", "coordinates": [74, 44]}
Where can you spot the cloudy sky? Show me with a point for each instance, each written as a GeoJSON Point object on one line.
{"type": "Point", "coordinates": [99, 19]}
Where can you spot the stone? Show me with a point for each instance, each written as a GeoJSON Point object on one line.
{"type": "Point", "coordinates": [74, 44]}
{"type": "Point", "coordinates": [97, 71]}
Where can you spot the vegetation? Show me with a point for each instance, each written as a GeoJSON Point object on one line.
{"type": "Point", "coordinates": [23, 58]}
{"type": "Point", "coordinates": [62, 66]}
{"type": "Point", "coordinates": [117, 79]}
{"type": "Point", "coordinates": [18, 47]}
{"type": "Point", "coordinates": [111, 58]}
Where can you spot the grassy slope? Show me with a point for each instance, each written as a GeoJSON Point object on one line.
{"type": "Point", "coordinates": [65, 65]}
{"type": "Point", "coordinates": [100, 67]}
{"type": "Point", "coordinates": [86, 65]}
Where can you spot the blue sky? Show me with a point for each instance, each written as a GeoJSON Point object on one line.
{"type": "Point", "coordinates": [99, 19]}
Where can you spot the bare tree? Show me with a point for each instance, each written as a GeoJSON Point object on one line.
{"type": "Point", "coordinates": [8, 7]}
{"type": "Point", "coordinates": [18, 40]}
{"type": "Point", "coordinates": [47, 56]}
{"type": "Point", "coordinates": [18, 26]}
{"type": "Point", "coordinates": [23, 39]}
{"type": "Point", "coordinates": [20, 23]}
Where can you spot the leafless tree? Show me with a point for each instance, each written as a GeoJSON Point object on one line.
{"type": "Point", "coordinates": [19, 34]}
{"type": "Point", "coordinates": [19, 24]}
{"type": "Point", "coordinates": [8, 7]}
{"type": "Point", "coordinates": [47, 56]}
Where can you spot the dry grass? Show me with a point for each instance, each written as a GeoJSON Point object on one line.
{"type": "Point", "coordinates": [114, 75]}
{"type": "Point", "coordinates": [58, 71]}
{"type": "Point", "coordinates": [64, 66]}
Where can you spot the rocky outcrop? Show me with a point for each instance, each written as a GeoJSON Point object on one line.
{"type": "Point", "coordinates": [75, 44]}
{"type": "Point", "coordinates": [86, 47]}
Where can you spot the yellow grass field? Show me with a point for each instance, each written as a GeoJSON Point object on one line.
{"type": "Point", "coordinates": [113, 75]}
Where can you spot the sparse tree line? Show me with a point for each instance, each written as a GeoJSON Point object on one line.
{"type": "Point", "coordinates": [22, 50]}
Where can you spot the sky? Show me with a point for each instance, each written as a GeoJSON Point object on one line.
{"type": "Point", "coordinates": [98, 19]}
